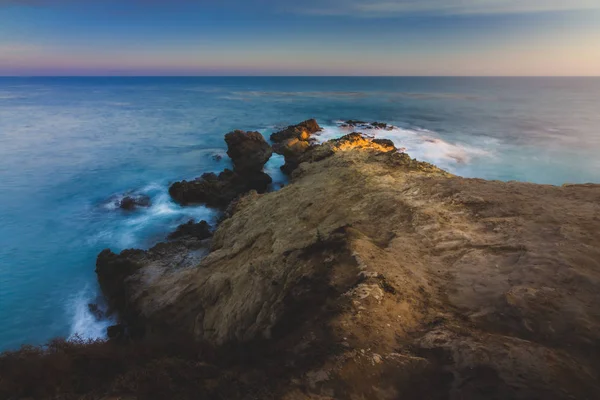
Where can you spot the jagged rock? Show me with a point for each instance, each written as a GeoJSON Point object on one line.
{"type": "Point", "coordinates": [96, 311]}
{"type": "Point", "coordinates": [218, 190]}
{"type": "Point", "coordinates": [293, 141]}
{"type": "Point", "coordinates": [198, 230]}
{"type": "Point", "coordinates": [301, 131]}
{"type": "Point", "coordinates": [366, 125]}
{"type": "Point", "coordinates": [249, 151]}
{"type": "Point", "coordinates": [132, 202]}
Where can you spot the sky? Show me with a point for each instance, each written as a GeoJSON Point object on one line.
{"type": "Point", "coordinates": [294, 37]}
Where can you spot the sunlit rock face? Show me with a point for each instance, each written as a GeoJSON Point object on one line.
{"type": "Point", "coordinates": [293, 141]}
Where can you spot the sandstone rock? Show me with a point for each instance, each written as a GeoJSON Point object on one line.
{"type": "Point", "coordinates": [132, 202]}
{"type": "Point", "coordinates": [301, 131]}
{"type": "Point", "coordinates": [249, 151]}
{"type": "Point", "coordinates": [198, 230]}
{"type": "Point", "coordinates": [293, 141]}
{"type": "Point", "coordinates": [369, 269]}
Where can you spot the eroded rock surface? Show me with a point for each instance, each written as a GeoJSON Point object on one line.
{"type": "Point", "coordinates": [249, 152]}
{"type": "Point", "coordinates": [293, 141]}
{"type": "Point", "coordinates": [196, 230]}
{"type": "Point", "coordinates": [375, 276]}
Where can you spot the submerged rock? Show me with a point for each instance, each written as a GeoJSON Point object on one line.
{"type": "Point", "coordinates": [366, 125]}
{"type": "Point", "coordinates": [132, 202]}
{"type": "Point", "coordinates": [198, 230]}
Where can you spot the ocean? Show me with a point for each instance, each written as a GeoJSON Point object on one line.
{"type": "Point", "coordinates": [71, 147]}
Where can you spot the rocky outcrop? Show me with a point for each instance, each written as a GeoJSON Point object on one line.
{"type": "Point", "coordinates": [366, 125]}
{"type": "Point", "coordinates": [293, 141]}
{"type": "Point", "coordinates": [373, 275]}
{"type": "Point", "coordinates": [249, 152]}
{"type": "Point", "coordinates": [132, 202]}
{"type": "Point", "coordinates": [197, 230]}
{"type": "Point", "coordinates": [218, 190]}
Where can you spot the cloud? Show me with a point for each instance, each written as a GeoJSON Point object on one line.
{"type": "Point", "coordinates": [387, 8]}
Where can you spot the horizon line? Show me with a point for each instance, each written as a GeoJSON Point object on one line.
{"type": "Point", "coordinates": [300, 76]}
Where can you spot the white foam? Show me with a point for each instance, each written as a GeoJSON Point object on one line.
{"type": "Point", "coordinates": [84, 324]}
{"type": "Point", "coordinates": [419, 143]}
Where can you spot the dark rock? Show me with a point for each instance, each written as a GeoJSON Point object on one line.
{"type": "Point", "coordinates": [117, 276]}
{"type": "Point", "coordinates": [384, 143]}
{"type": "Point", "coordinates": [366, 125]}
{"type": "Point", "coordinates": [116, 332]}
{"type": "Point", "coordinates": [302, 131]}
{"type": "Point", "coordinates": [132, 202]}
{"type": "Point", "coordinates": [200, 230]}
{"type": "Point", "coordinates": [249, 151]}
{"type": "Point", "coordinates": [218, 190]}
{"type": "Point", "coordinates": [217, 157]}
{"type": "Point", "coordinates": [294, 141]}
{"type": "Point", "coordinates": [96, 311]}
{"type": "Point", "coordinates": [112, 270]}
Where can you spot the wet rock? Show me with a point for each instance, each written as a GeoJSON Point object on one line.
{"type": "Point", "coordinates": [249, 151]}
{"type": "Point", "coordinates": [116, 332]}
{"type": "Point", "coordinates": [218, 190]}
{"type": "Point", "coordinates": [217, 157]}
{"type": "Point", "coordinates": [198, 230]}
{"type": "Point", "coordinates": [96, 311]}
{"type": "Point", "coordinates": [119, 274]}
{"type": "Point", "coordinates": [294, 141]}
{"type": "Point", "coordinates": [366, 125]}
{"type": "Point", "coordinates": [132, 202]}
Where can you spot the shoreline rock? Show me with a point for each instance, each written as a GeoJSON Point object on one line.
{"type": "Point", "coordinates": [130, 203]}
{"type": "Point", "coordinates": [378, 257]}
{"type": "Point", "coordinates": [249, 152]}
{"type": "Point", "coordinates": [372, 275]}
{"type": "Point", "coordinates": [294, 141]}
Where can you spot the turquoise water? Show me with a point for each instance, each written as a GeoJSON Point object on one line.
{"type": "Point", "coordinates": [70, 146]}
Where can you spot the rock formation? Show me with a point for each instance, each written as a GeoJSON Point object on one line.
{"type": "Point", "coordinates": [366, 125]}
{"type": "Point", "coordinates": [249, 152]}
{"type": "Point", "coordinates": [132, 202]}
{"type": "Point", "coordinates": [197, 230]}
{"type": "Point", "coordinates": [376, 276]}
{"type": "Point", "coordinates": [293, 141]}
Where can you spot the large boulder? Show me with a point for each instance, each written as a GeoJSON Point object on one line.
{"type": "Point", "coordinates": [218, 190]}
{"type": "Point", "coordinates": [249, 151]}
{"type": "Point", "coordinates": [294, 141]}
